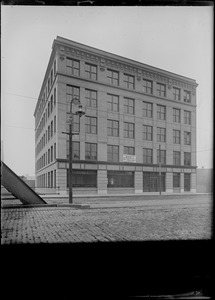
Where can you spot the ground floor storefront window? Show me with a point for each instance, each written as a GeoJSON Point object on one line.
{"type": "Point", "coordinates": [151, 182]}
{"type": "Point", "coordinates": [83, 178]}
{"type": "Point", "coordinates": [120, 179]}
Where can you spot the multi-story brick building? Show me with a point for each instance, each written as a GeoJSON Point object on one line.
{"type": "Point", "coordinates": [131, 109]}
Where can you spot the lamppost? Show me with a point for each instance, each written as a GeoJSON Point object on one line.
{"type": "Point", "coordinates": [75, 101]}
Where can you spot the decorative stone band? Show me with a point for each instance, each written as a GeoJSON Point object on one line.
{"type": "Point", "coordinates": [135, 71]}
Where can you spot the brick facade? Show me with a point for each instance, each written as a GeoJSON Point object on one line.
{"type": "Point", "coordinates": [51, 169]}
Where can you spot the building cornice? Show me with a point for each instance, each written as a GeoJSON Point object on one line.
{"type": "Point", "coordinates": [108, 60]}
{"type": "Point", "coordinates": [64, 160]}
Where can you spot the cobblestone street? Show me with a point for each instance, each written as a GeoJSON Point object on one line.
{"type": "Point", "coordinates": [65, 225]}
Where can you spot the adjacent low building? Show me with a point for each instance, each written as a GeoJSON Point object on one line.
{"type": "Point", "coordinates": [135, 114]}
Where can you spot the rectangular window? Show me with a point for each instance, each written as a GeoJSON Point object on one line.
{"type": "Point", "coordinates": [161, 134]}
{"type": "Point", "coordinates": [147, 86]}
{"type": "Point", "coordinates": [113, 102]}
{"type": "Point", "coordinates": [161, 89]}
{"type": "Point", "coordinates": [187, 96]}
{"type": "Point", "coordinates": [176, 180]}
{"type": "Point", "coordinates": [187, 158]}
{"type": "Point", "coordinates": [71, 93]}
{"type": "Point", "coordinates": [49, 156]}
{"type": "Point", "coordinates": [151, 182]}
{"type": "Point", "coordinates": [176, 136]}
{"type": "Point", "coordinates": [54, 151]}
{"type": "Point", "coordinates": [129, 150]}
{"type": "Point", "coordinates": [187, 117]}
{"type": "Point", "coordinates": [112, 128]}
{"type": "Point", "coordinates": [147, 109]}
{"type": "Point", "coordinates": [51, 128]}
{"type": "Point", "coordinates": [91, 71]}
{"type": "Point", "coordinates": [91, 98]}
{"type": "Point", "coordinates": [187, 138]}
{"type": "Point", "coordinates": [129, 130]}
{"type": "Point", "coordinates": [129, 81]}
{"type": "Point", "coordinates": [176, 94]}
{"type": "Point", "coordinates": [72, 67]}
{"type": "Point", "coordinates": [147, 156]}
{"type": "Point", "coordinates": [75, 150]}
{"type": "Point", "coordinates": [121, 179]}
{"type": "Point", "coordinates": [83, 178]}
{"type": "Point", "coordinates": [161, 156]}
{"type": "Point", "coordinates": [113, 77]}
{"type": "Point", "coordinates": [75, 123]}
{"type": "Point", "coordinates": [176, 115]}
{"type": "Point", "coordinates": [51, 153]}
{"type": "Point", "coordinates": [55, 97]}
{"type": "Point", "coordinates": [113, 153]}
{"type": "Point", "coordinates": [147, 133]}
{"type": "Point", "coordinates": [161, 112]}
{"type": "Point", "coordinates": [90, 151]}
{"type": "Point", "coordinates": [54, 124]}
{"type": "Point", "coordinates": [176, 158]}
{"type": "Point", "coordinates": [129, 106]}
{"type": "Point", "coordinates": [91, 125]}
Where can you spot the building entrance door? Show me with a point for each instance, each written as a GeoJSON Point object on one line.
{"type": "Point", "coordinates": [186, 182]}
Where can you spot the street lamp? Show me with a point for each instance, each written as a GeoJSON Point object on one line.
{"type": "Point", "coordinates": [75, 101]}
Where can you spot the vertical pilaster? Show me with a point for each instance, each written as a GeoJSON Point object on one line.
{"type": "Point", "coordinates": [182, 182]}
{"type": "Point", "coordinates": [138, 182]}
{"type": "Point", "coordinates": [102, 182]}
{"type": "Point", "coordinates": [62, 181]}
{"type": "Point", "coordinates": [169, 182]}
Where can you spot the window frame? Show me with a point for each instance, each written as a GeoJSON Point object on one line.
{"type": "Point", "coordinates": [90, 73]}
{"type": "Point", "coordinates": [89, 127]}
{"type": "Point", "coordinates": [176, 158]}
{"type": "Point", "coordinates": [161, 92]}
{"type": "Point", "coordinates": [177, 94]}
{"type": "Point", "coordinates": [90, 151]}
{"type": "Point", "coordinates": [111, 156]}
{"type": "Point", "coordinates": [129, 132]}
{"type": "Point", "coordinates": [187, 141]}
{"type": "Point", "coordinates": [128, 108]}
{"type": "Point", "coordinates": [147, 156]}
{"type": "Point", "coordinates": [187, 158]}
{"type": "Point", "coordinates": [147, 113]}
{"type": "Point", "coordinates": [111, 129]}
{"type": "Point", "coordinates": [176, 137]}
{"type": "Point", "coordinates": [129, 81]}
{"type": "Point", "coordinates": [72, 69]}
{"type": "Point", "coordinates": [161, 112]}
{"type": "Point", "coordinates": [147, 134]}
{"type": "Point", "coordinates": [161, 134]}
{"type": "Point", "coordinates": [111, 104]}
{"type": "Point", "coordinates": [176, 117]}
{"type": "Point", "coordinates": [111, 78]}
{"type": "Point", "coordinates": [146, 88]}
{"type": "Point", "coordinates": [89, 98]}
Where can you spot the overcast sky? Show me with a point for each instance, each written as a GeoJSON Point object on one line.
{"type": "Point", "coordinates": [177, 39]}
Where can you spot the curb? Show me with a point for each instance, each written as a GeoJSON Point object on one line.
{"type": "Point", "coordinates": [9, 206]}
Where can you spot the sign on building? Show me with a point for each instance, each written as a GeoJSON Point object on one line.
{"type": "Point", "coordinates": [129, 158]}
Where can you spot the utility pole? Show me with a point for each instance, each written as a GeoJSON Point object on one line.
{"type": "Point", "coordinates": [75, 101]}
